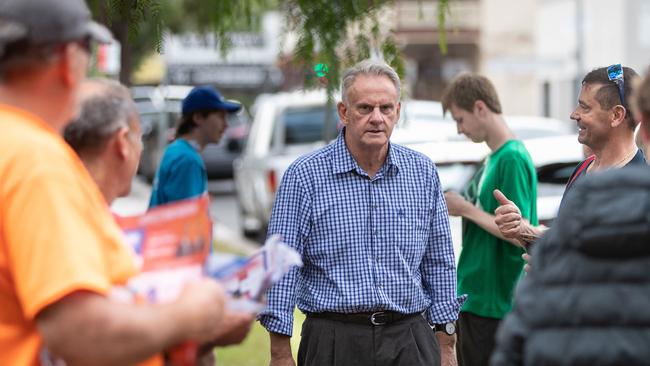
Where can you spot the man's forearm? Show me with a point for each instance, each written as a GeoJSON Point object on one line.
{"type": "Point", "coordinates": [486, 222]}
{"type": "Point", "coordinates": [281, 354]}
{"type": "Point", "coordinates": [447, 349]}
{"type": "Point", "coordinates": [90, 328]}
{"type": "Point", "coordinates": [280, 345]}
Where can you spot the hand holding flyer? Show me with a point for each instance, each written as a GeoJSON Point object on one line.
{"type": "Point", "coordinates": [247, 279]}
{"type": "Point", "coordinates": [171, 245]}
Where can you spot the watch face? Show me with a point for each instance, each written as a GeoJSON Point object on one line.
{"type": "Point", "coordinates": [450, 328]}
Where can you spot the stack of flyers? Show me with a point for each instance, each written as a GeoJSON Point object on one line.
{"type": "Point", "coordinates": [247, 279]}
{"type": "Point", "coordinates": [171, 244]}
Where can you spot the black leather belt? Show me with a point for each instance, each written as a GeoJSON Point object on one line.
{"type": "Point", "coordinates": [369, 318]}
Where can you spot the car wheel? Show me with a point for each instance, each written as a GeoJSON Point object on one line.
{"type": "Point", "coordinates": [252, 228]}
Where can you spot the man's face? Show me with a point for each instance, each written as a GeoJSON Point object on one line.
{"type": "Point", "coordinates": [468, 123]}
{"type": "Point", "coordinates": [593, 121]}
{"type": "Point", "coordinates": [370, 112]}
{"type": "Point", "coordinates": [213, 126]}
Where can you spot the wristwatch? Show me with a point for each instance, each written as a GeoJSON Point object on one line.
{"type": "Point", "coordinates": [448, 328]}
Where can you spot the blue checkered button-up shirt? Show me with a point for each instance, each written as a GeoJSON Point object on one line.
{"type": "Point", "coordinates": [367, 244]}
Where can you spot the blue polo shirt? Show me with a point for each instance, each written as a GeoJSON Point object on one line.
{"type": "Point", "coordinates": [181, 174]}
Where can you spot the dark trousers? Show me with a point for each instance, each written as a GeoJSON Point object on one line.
{"type": "Point", "coordinates": [475, 339]}
{"type": "Point", "coordinates": [408, 342]}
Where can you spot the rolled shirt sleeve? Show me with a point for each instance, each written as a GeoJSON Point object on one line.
{"type": "Point", "coordinates": [438, 266]}
{"type": "Point", "coordinates": [290, 219]}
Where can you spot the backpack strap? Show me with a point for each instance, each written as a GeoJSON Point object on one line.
{"type": "Point", "coordinates": [582, 167]}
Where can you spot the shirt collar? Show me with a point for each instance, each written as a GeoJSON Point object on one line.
{"type": "Point", "coordinates": [343, 161]}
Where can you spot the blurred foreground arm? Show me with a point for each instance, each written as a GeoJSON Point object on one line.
{"type": "Point", "coordinates": [233, 328]}
{"type": "Point", "coordinates": [85, 328]}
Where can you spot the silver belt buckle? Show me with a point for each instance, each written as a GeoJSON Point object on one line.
{"type": "Point", "coordinates": [373, 321]}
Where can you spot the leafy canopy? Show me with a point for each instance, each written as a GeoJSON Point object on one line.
{"type": "Point", "coordinates": [331, 33]}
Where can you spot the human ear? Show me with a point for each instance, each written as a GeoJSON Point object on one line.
{"type": "Point", "coordinates": [398, 111]}
{"type": "Point", "coordinates": [122, 142]}
{"type": "Point", "coordinates": [479, 107]}
{"type": "Point", "coordinates": [618, 115]}
{"type": "Point", "coordinates": [66, 65]}
{"type": "Point", "coordinates": [342, 110]}
{"type": "Point", "coordinates": [198, 118]}
{"type": "Point", "coordinates": [73, 68]}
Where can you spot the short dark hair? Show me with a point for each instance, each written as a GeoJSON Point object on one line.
{"type": "Point", "coordinates": [101, 114]}
{"type": "Point", "coordinates": [186, 123]}
{"type": "Point", "coordinates": [466, 89]}
{"type": "Point", "coordinates": [607, 96]}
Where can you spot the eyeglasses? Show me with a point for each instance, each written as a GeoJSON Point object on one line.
{"type": "Point", "coordinates": [615, 74]}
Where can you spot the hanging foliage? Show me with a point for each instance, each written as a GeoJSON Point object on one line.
{"type": "Point", "coordinates": [334, 33]}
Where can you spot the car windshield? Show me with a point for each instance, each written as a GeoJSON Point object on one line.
{"type": "Point", "coordinates": [307, 125]}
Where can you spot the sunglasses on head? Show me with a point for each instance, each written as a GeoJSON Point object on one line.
{"type": "Point", "coordinates": [615, 74]}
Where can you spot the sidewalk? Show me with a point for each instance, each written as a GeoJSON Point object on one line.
{"type": "Point", "coordinates": [138, 201]}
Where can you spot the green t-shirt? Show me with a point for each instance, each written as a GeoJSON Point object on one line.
{"type": "Point", "coordinates": [488, 267]}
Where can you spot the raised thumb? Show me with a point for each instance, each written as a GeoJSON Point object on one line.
{"type": "Point", "coordinates": [500, 197]}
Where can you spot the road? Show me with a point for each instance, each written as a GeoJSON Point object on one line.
{"type": "Point", "coordinates": [223, 204]}
{"type": "Point", "coordinates": [225, 212]}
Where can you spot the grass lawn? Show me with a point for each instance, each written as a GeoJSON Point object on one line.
{"type": "Point", "coordinates": [254, 351]}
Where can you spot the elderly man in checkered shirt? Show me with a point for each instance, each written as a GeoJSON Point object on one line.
{"type": "Point", "coordinates": [370, 221]}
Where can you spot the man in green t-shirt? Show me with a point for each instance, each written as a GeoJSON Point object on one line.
{"type": "Point", "coordinates": [490, 264]}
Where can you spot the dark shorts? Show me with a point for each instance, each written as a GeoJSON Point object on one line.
{"type": "Point", "coordinates": [476, 336]}
{"type": "Point", "coordinates": [407, 342]}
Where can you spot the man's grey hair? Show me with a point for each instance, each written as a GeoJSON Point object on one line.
{"type": "Point", "coordinates": [368, 67]}
{"type": "Point", "coordinates": [106, 106]}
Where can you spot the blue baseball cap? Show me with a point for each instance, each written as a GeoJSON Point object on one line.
{"type": "Point", "coordinates": [207, 98]}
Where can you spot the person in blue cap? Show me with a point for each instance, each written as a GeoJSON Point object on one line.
{"type": "Point", "coordinates": [182, 174]}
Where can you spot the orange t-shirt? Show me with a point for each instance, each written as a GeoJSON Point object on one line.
{"type": "Point", "coordinates": [57, 235]}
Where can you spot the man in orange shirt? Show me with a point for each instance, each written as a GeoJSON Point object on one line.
{"type": "Point", "coordinates": [60, 251]}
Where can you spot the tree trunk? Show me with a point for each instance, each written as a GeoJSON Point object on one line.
{"type": "Point", "coordinates": [120, 29]}
{"type": "Point", "coordinates": [121, 33]}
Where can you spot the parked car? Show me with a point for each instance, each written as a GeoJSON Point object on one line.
{"type": "Point", "coordinates": [285, 126]}
{"type": "Point", "coordinates": [160, 109]}
{"type": "Point", "coordinates": [288, 125]}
